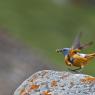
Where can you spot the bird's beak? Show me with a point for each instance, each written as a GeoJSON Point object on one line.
{"type": "Point", "coordinates": [59, 50]}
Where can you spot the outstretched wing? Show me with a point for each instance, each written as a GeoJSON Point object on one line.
{"type": "Point", "coordinates": [86, 45]}
{"type": "Point", "coordinates": [78, 45]}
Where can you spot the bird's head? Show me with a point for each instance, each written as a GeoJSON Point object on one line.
{"type": "Point", "coordinates": [64, 51]}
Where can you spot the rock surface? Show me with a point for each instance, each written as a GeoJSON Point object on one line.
{"type": "Point", "coordinates": [48, 82]}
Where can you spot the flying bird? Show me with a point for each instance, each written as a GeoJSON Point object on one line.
{"type": "Point", "coordinates": [73, 55]}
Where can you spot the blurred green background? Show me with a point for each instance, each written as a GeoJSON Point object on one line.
{"type": "Point", "coordinates": [50, 24]}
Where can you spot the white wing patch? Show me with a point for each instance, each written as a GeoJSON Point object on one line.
{"type": "Point", "coordinates": [82, 55]}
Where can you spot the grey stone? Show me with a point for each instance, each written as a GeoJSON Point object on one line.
{"type": "Point", "coordinates": [58, 83]}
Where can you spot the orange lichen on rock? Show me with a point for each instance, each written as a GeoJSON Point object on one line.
{"type": "Point", "coordinates": [46, 93]}
{"type": "Point", "coordinates": [53, 83]}
{"type": "Point", "coordinates": [34, 77]}
{"type": "Point", "coordinates": [34, 87]}
{"type": "Point", "coordinates": [23, 92]}
{"type": "Point", "coordinates": [88, 80]}
{"type": "Point", "coordinates": [31, 80]}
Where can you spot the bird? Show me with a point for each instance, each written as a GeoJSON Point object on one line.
{"type": "Point", "coordinates": [73, 56]}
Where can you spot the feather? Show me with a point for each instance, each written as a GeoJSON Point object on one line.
{"type": "Point", "coordinates": [76, 43]}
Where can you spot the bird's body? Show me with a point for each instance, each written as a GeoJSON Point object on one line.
{"type": "Point", "coordinates": [78, 59]}
{"type": "Point", "coordinates": [73, 57]}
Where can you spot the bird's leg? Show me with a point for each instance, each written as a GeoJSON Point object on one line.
{"type": "Point", "coordinates": [82, 66]}
{"type": "Point", "coordinates": [76, 70]}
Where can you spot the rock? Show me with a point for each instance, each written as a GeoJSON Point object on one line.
{"type": "Point", "coordinates": [48, 82]}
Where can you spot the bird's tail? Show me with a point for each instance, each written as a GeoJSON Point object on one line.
{"type": "Point", "coordinates": [90, 56]}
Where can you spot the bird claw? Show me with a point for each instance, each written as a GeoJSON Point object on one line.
{"type": "Point", "coordinates": [75, 70]}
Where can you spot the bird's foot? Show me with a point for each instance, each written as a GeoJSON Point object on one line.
{"type": "Point", "coordinates": [78, 70]}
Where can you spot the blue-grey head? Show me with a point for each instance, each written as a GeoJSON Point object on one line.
{"type": "Point", "coordinates": [64, 51]}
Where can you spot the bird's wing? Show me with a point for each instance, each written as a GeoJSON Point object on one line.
{"type": "Point", "coordinates": [84, 46]}
{"type": "Point", "coordinates": [77, 45]}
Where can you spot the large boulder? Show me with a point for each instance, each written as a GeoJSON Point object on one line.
{"type": "Point", "coordinates": [48, 82]}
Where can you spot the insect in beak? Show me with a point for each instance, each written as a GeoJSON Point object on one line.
{"type": "Point", "coordinates": [59, 50]}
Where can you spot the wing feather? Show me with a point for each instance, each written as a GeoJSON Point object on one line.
{"type": "Point", "coordinates": [77, 45]}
